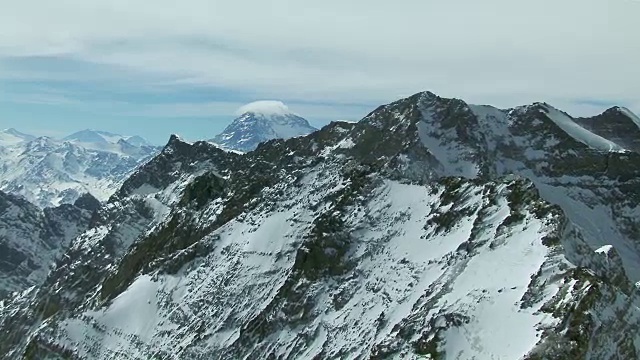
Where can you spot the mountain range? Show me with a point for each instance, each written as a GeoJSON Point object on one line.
{"type": "Point", "coordinates": [431, 229]}
{"type": "Point", "coordinates": [49, 172]}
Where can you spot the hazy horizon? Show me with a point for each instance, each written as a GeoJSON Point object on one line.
{"type": "Point", "coordinates": [191, 130]}
{"type": "Point", "coordinates": [185, 69]}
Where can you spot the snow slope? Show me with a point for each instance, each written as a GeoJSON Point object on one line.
{"type": "Point", "coordinates": [398, 257]}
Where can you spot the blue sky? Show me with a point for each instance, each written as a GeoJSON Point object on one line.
{"type": "Point", "coordinates": [163, 67]}
{"type": "Point", "coordinates": [65, 96]}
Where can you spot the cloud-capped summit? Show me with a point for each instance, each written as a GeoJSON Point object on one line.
{"type": "Point", "coordinates": [260, 121]}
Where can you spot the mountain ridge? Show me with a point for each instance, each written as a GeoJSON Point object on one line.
{"type": "Point", "coordinates": [406, 235]}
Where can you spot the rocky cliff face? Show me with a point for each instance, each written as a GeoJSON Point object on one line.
{"type": "Point", "coordinates": [31, 239]}
{"type": "Point", "coordinates": [617, 124]}
{"type": "Point", "coordinates": [430, 229]}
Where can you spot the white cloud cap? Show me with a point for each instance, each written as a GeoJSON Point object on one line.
{"type": "Point", "coordinates": [265, 107]}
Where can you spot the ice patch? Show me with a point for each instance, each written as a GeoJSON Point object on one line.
{"type": "Point", "coordinates": [605, 249]}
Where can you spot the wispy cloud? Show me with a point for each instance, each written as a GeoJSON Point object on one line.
{"type": "Point", "coordinates": [347, 54]}
{"type": "Point", "coordinates": [228, 109]}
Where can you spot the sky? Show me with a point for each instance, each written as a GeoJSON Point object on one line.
{"type": "Point", "coordinates": [153, 68]}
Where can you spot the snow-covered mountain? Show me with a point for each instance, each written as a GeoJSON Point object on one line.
{"type": "Point", "coordinates": [261, 121]}
{"type": "Point", "coordinates": [431, 229]}
{"type": "Point", "coordinates": [102, 140]}
{"type": "Point", "coordinates": [49, 172]}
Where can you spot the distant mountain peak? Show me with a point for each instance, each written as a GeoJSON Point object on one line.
{"type": "Point", "coordinates": [261, 121]}
{"type": "Point", "coordinates": [618, 124]}
{"type": "Point", "coordinates": [136, 141]}
{"type": "Point", "coordinates": [629, 114]}
{"type": "Point", "coordinates": [15, 132]}
{"type": "Point", "coordinates": [88, 135]}
{"type": "Point", "coordinates": [104, 137]}
{"type": "Point", "coordinates": [12, 136]}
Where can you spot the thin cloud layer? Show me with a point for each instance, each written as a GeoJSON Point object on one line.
{"type": "Point", "coordinates": [266, 107]}
{"type": "Point", "coordinates": [571, 53]}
